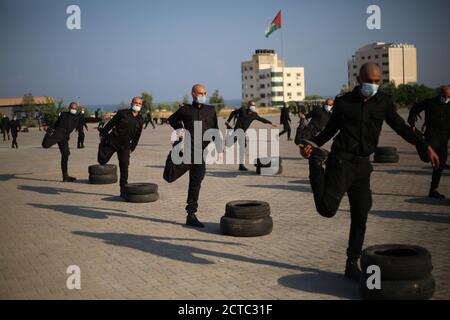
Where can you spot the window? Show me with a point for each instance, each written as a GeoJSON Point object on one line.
{"type": "Point", "coordinates": [288, 75]}
{"type": "Point", "coordinates": [385, 63]}
{"type": "Point", "coordinates": [299, 94]}
{"type": "Point", "coordinates": [299, 74]}
{"type": "Point", "coordinates": [363, 58]}
{"type": "Point", "coordinates": [245, 77]}
{"type": "Point", "coordinates": [385, 72]}
{"type": "Point", "coordinates": [262, 104]}
{"type": "Point", "coordinates": [251, 95]}
{"type": "Point", "coordinates": [277, 94]}
{"type": "Point", "coordinates": [262, 86]}
{"type": "Point", "coordinates": [276, 74]}
{"type": "Point", "coordinates": [277, 84]}
{"type": "Point", "coordinates": [369, 57]}
{"type": "Point", "coordinates": [354, 67]}
{"type": "Point", "coordinates": [262, 96]}
{"type": "Point", "coordinates": [299, 84]}
{"type": "Point", "coordinates": [376, 56]}
{"type": "Point", "coordinates": [289, 94]}
{"type": "Point", "coordinates": [251, 68]}
{"type": "Point", "coordinates": [251, 77]}
{"type": "Point", "coordinates": [251, 86]}
{"type": "Point", "coordinates": [245, 69]}
{"type": "Point", "coordinates": [385, 55]}
{"type": "Point", "coordinates": [289, 84]}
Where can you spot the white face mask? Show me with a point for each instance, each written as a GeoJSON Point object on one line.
{"type": "Point", "coordinates": [369, 89]}
{"type": "Point", "coordinates": [445, 100]}
{"type": "Point", "coordinates": [136, 108]}
{"type": "Point", "coordinates": [201, 99]}
{"type": "Point", "coordinates": [73, 111]}
{"type": "Point", "coordinates": [328, 108]}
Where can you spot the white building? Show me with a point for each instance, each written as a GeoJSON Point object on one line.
{"type": "Point", "coordinates": [263, 79]}
{"type": "Point", "coordinates": [398, 62]}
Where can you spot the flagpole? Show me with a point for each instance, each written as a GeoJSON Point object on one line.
{"type": "Point", "coordinates": [282, 58]}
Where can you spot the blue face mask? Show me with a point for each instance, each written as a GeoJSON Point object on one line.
{"type": "Point", "coordinates": [369, 89]}
{"type": "Point", "coordinates": [201, 99]}
{"type": "Point", "coordinates": [73, 111]}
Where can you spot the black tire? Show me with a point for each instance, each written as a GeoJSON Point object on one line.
{"type": "Point", "coordinates": [386, 159]}
{"type": "Point", "coordinates": [142, 198]}
{"type": "Point", "coordinates": [103, 179]}
{"type": "Point", "coordinates": [418, 289]}
{"type": "Point", "coordinates": [386, 151]}
{"type": "Point", "coordinates": [280, 170]}
{"type": "Point", "coordinates": [107, 169]}
{"type": "Point", "coordinates": [246, 227]}
{"type": "Point", "coordinates": [141, 188]}
{"type": "Point", "coordinates": [398, 262]}
{"type": "Point", "coordinates": [247, 209]}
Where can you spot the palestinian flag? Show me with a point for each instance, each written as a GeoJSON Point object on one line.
{"type": "Point", "coordinates": [275, 25]}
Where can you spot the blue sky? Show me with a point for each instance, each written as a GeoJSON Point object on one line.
{"type": "Point", "coordinates": [163, 47]}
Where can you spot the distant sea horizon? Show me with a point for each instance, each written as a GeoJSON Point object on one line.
{"type": "Point", "coordinates": [111, 107]}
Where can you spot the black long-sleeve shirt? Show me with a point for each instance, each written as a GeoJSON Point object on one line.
{"type": "Point", "coordinates": [319, 118]}
{"type": "Point", "coordinates": [245, 118]}
{"type": "Point", "coordinates": [15, 127]}
{"type": "Point", "coordinates": [126, 129]}
{"type": "Point", "coordinates": [359, 124]}
{"type": "Point", "coordinates": [186, 116]}
{"type": "Point", "coordinates": [284, 117]}
{"type": "Point", "coordinates": [66, 123]}
{"type": "Point", "coordinates": [437, 115]}
{"type": "Point", "coordinates": [81, 123]}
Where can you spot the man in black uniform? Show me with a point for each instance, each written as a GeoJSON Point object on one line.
{"type": "Point", "coordinates": [126, 128]}
{"type": "Point", "coordinates": [319, 116]}
{"type": "Point", "coordinates": [245, 117]}
{"type": "Point", "coordinates": [5, 127]}
{"type": "Point", "coordinates": [285, 120]}
{"type": "Point", "coordinates": [358, 116]}
{"type": "Point", "coordinates": [15, 128]}
{"type": "Point", "coordinates": [437, 133]}
{"type": "Point", "coordinates": [66, 123]}
{"type": "Point", "coordinates": [185, 118]}
{"type": "Point", "coordinates": [149, 120]}
{"type": "Point", "coordinates": [81, 125]}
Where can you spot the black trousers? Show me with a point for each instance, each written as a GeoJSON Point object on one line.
{"type": "Point", "coordinates": [65, 153]}
{"type": "Point", "coordinates": [81, 136]}
{"type": "Point", "coordinates": [106, 151]}
{"type": "Point", "coordinates": [442, 151]}
{"type": "Point", "coordinates": [5, 133]}
{"type": "Point", "coordinates": [14, 140]}
{"type": "Point", "coordinates": [173, 172]}
{"type": "Point", "coordinates": [286, 129]}
{"type": "Point", "coordinates": [329, 186]}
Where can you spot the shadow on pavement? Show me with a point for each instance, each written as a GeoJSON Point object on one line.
{"type": "Point", "coordinates": [7, 177]}
{"type": "Point", "coordinates": [55, 191]}
{"type": "Point", "coordinates": [231, 174]}
{"type": "Point", "coordinates": [321, 282]}
{"type": "Point", "coordinates": [306, 189]}
{"type": "Point", "coordinates": [181, 252]}
{"type": "Point", "coordinates": [409, 172]}
{"type": "Point", "coordinates": [105, 213]}
{"type": "Point", "coordinates": [414, 216]}
{"type": "Point", "coordinates": [429, 201]}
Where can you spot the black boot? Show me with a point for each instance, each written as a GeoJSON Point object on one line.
{"type": "Point", "coordinates": [69, 179]}
{"type": "Point", "coordinates": [123, 193]}
{"type": "Point", "coordinates": [352, 270]}
{"type": "Point", "coordinates": [192, 221]}
{"type": "Point", "coordinates": [242, 168]}
{"type": "Point", "coordinates": [435, 194]}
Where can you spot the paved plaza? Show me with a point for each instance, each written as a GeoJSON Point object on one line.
{"type": "Point", "coordinates": [144, 251]}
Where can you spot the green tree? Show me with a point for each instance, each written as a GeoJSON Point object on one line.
{"type": "Point", "coordinates": [147, 104]}
{"type": "Point", "coordinates": [185, 99]}
{"type": "Point", "coordinates": [29, 106]}
{"type": "Point", "coordinates": [123, 105]}
{"type": "Point", "coordinates": [49, 112]}
{"type": "Point", "coordinates": [217, 100]}
{"type": "Point", "coordinates": [313, 97]}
